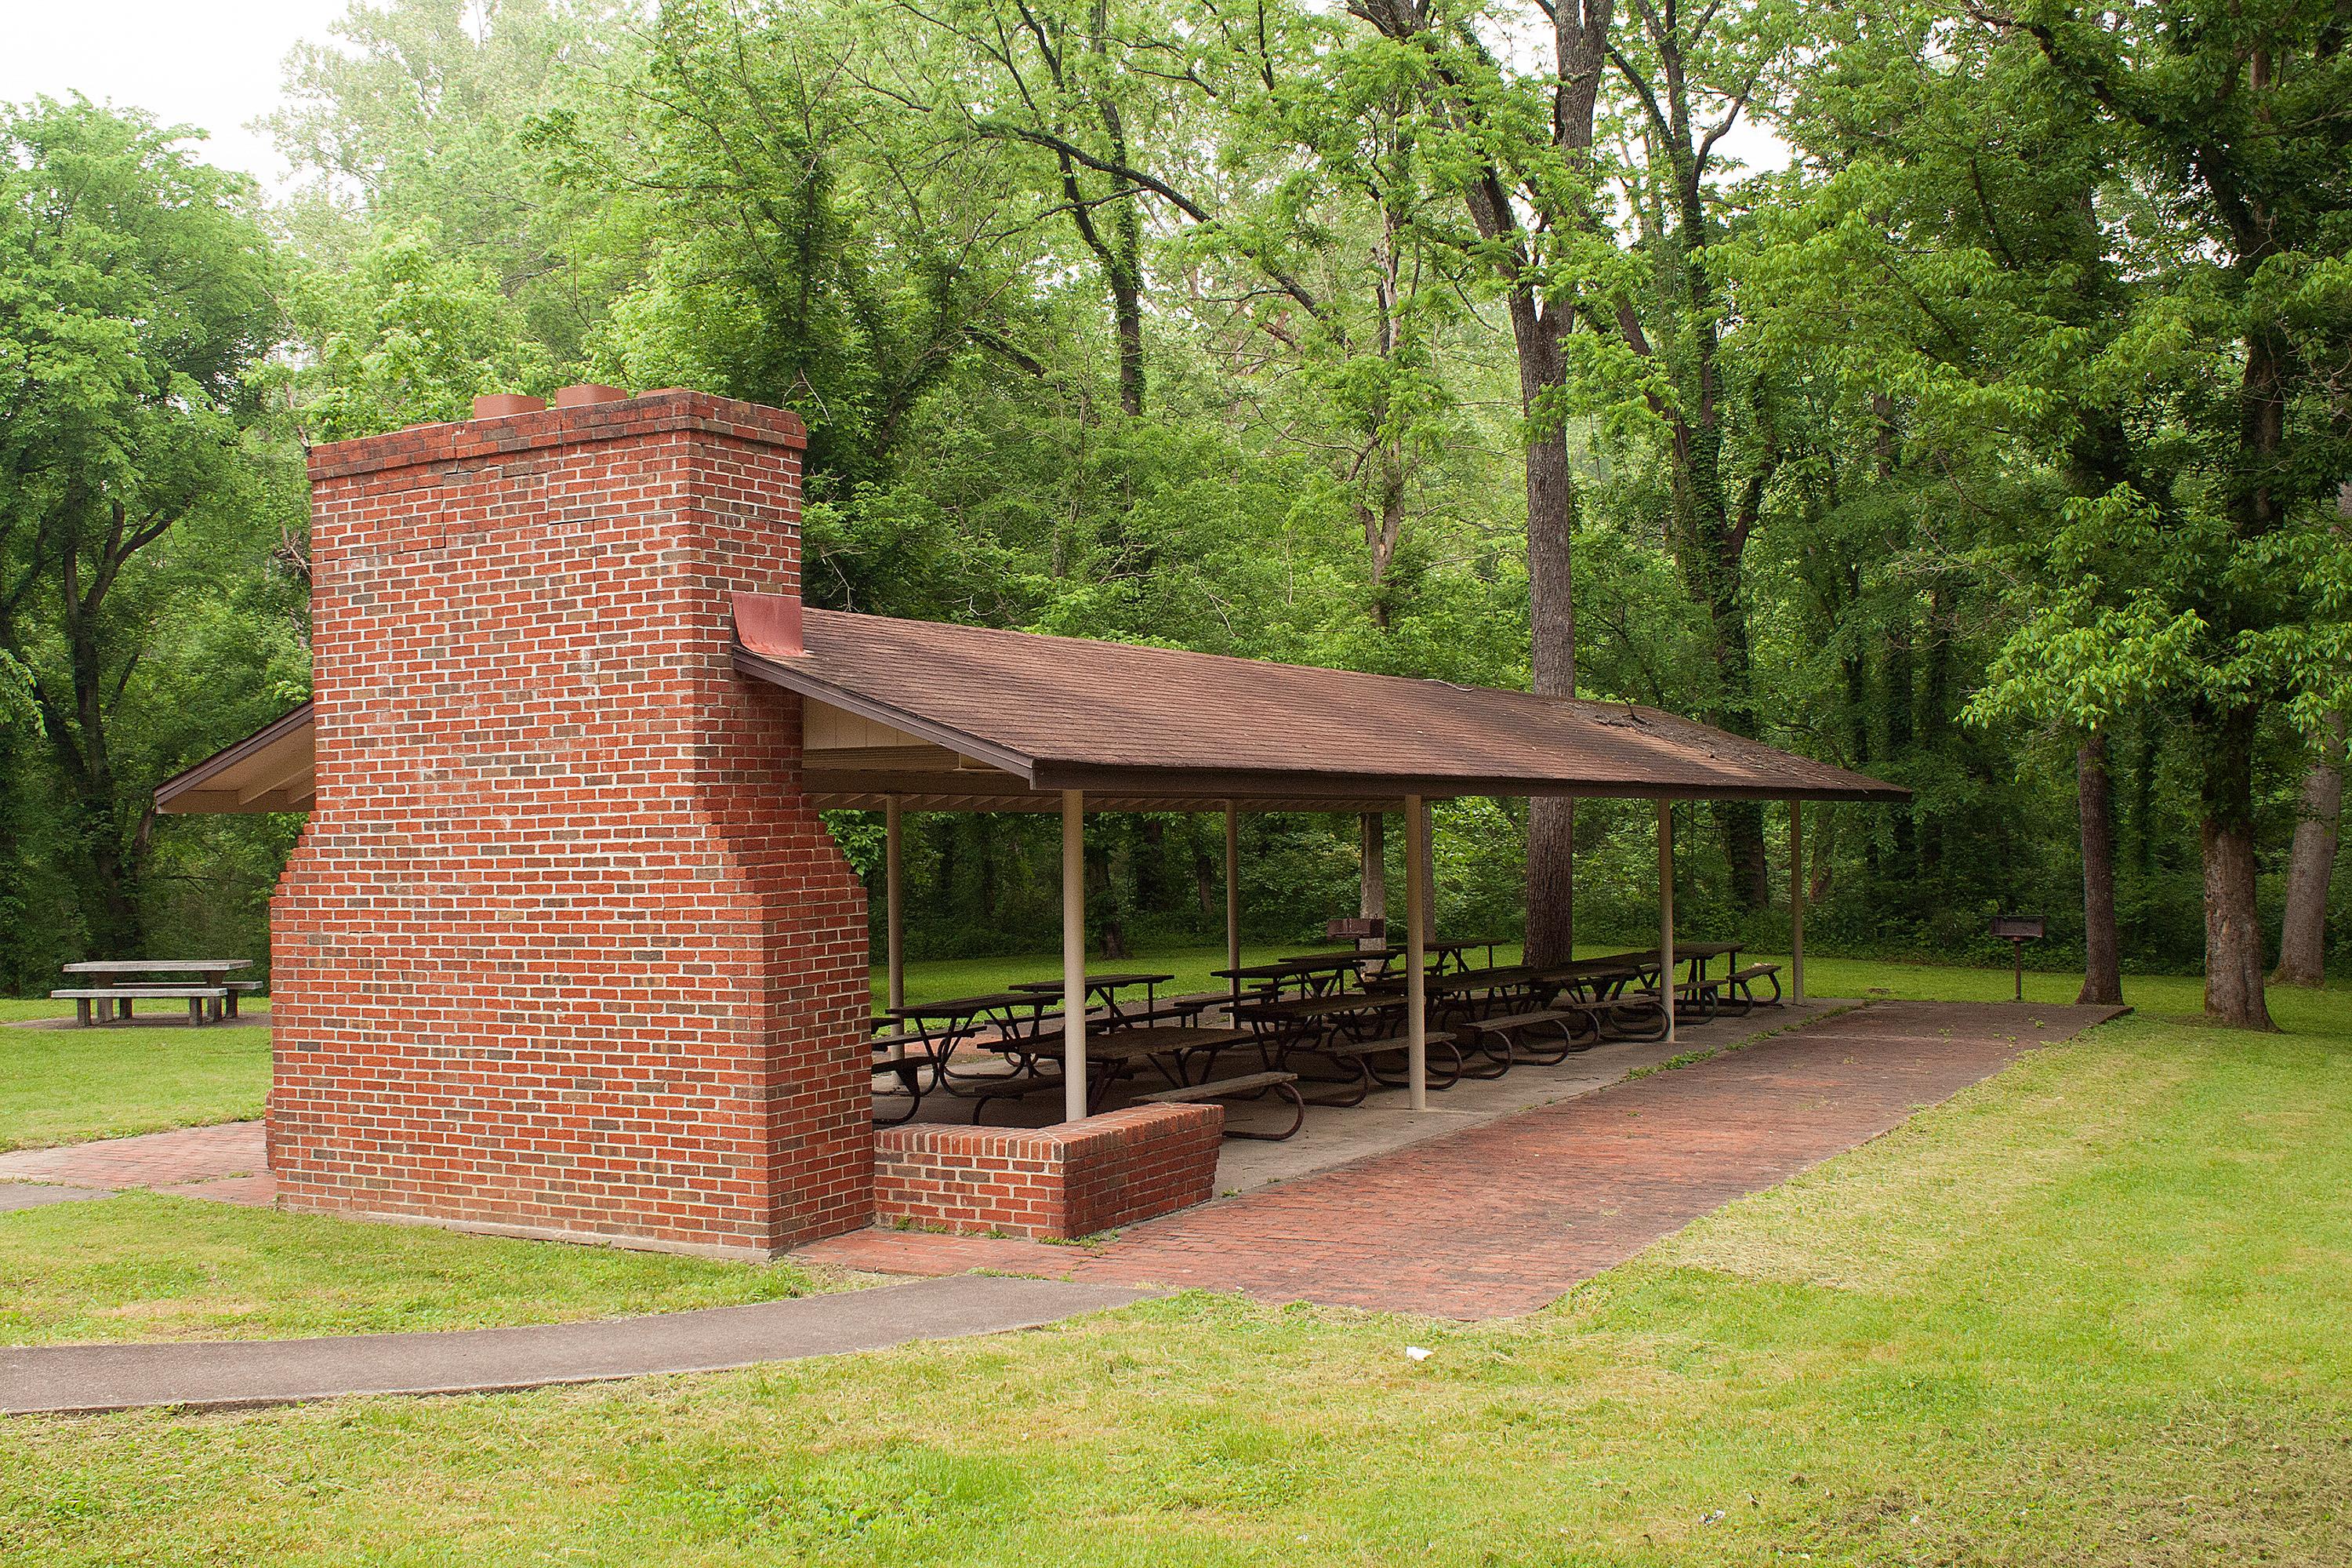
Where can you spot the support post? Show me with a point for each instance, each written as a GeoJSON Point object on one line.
{"type": "Point", "coordinates": [1666, 913]}
{"type": "Point", "coordinates": [1797, 902]}
{"type": "Point", "coordinates": [1416, 977]}
{"type": "Point", "coordinates": [1074, 956]}
{"type": "Point", "coordinates": [1233, 904]}
{"type": "Point", "coordinates": [894, 914]}
{"type": "Point", "coordinates": [1426, 869]}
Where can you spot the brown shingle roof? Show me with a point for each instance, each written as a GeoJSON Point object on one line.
{"type": "Point", "coordinates": [1124, 722]}
{"type": "Point", "coordinates": [1159, 729]}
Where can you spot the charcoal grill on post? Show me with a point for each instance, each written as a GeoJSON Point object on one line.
{"type": "Point", "coordinates": [2019, 930]}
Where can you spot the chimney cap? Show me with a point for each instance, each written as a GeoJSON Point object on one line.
{"type": "Point", "coordinates": [582, 394]}
{"type": "Point", "coordinates": [497, 405]}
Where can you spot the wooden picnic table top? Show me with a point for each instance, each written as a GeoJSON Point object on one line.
{"type": "Point", "coordinates": [1285, 968]}
{"type": "Point", "coordinates": [157, 965]}
{"type": "Point", "coordinates": [1128, 1045]}
{"type": "Point", "coordinates": [1703, 948]}
{"type": "Point", "coordinates": [1093, 982]}
{"type": "Point", "coordinates": [1583, 968]}
{"type": "Point", "coordinates": [1324, 1006]}
{"type": "Point", "coordinates": [1474, 979]}
{"type": "Point", "coordinates": [967, 1007]}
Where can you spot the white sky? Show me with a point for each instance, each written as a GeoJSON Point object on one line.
{"type": "Point", "coordinates": [214, 64]}
{"type": "Point", "coordinates": [208, 63]}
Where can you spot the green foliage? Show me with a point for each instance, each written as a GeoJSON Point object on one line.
{"type": "Point", "coordinates": [139, 609]}
{"type": "Point", "coordinates": [1150, 321]}
{"type": "Point", "coordinates": [405, 333]}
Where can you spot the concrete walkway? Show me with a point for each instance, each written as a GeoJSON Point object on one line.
{"type": "Point", "coordinates": [87, 1379]}
{"type": "Point", "coordinates": [225, 1161]}
{"type": "Point", "coordinates": [1506, 1215]}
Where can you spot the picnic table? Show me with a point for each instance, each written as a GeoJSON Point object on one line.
{"type": "Point", "coordinates": [1442, 954]}
{"type": "Point", "coordinates": [1603, 977]}
{"type": "Point", "coordinates": [938, 1027]}
{"type": "Point", "coordinates": [1698, 955]}
{"type": "Point", "coordinates": [1104, 988]}
{"type": "Point", "coordinates": [1451, 950]}
{"type": "Point", "coordinates": [1314, 974]}
{"type": "Point", "coordinates": [118, 983]}
{"type": "Point", "coordinates": [1291, 1017]}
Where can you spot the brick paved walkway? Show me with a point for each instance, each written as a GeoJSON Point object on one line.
{"type": "Point", "coordinates": [1503, 1217]}
{"type": "Point", "coordinates": [223, 1162]}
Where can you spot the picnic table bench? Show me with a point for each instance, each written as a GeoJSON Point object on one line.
{"type": "Point", "coordinates": [212, 995]}
{"type": "Point", "coordinates": [1525, 1037]}
{"type": "Point", "coordinates": [205, 1002]}
{"type": "Point", "coordinates": [1171, 1049]}
{"type": "Point", "coordinates": [1249, 1086]}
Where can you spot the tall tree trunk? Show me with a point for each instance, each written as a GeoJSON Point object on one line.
{"type": "Point", "coordinates": [2103, 980]}
{"type": "Point", "coordinates": [1102, 889]}
{"type": "Point", "coordinates": [1552, 615]}
{"type": "Point", "coordinates": [1581, 52]}
{"type": "Point", "coordinates": [1935, 705]}
{"type": "Point", "coordinates": [1900, 679]}
{"type": "Point", "coordinates": [1824, 837]}
{"type": "Point", "coordinates": [2303, 936]}
{"type": "Point", "coordinates": [2233, 930]}
{"type": "Point", "coordinates": [1372, 855]}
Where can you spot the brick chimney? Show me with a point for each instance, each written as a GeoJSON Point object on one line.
{"type": "Point", "coordinates": [564, 949]}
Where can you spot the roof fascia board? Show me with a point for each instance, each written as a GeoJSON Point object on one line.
{"type": "Point", "coordinates": [228, 756]}
{"type": "Point", "coordinates": [1208, 786]}
{"type": "Point", "coordinates": [782, 673]}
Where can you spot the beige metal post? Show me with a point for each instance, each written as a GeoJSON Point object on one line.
{"type": "Point", "coordinates": [1416, 977]}
{"type": "Point", "coordinates": [1666, 913]}
{"type": "Point", "coordinates": [1426, 870]}
{"type": "Point", "coordinates": [1233, 903]}
{"type": "Point", "coordinates": [1074, 956]}
{"type": "Point", "coordinates": [894, 916]}
{"type": "Point", "coordinates": [1797, 901]}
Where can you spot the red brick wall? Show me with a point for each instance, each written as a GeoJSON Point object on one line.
{"type": "Point", "coordinates": [564, 947]}
{"type": "Point", "coordinates": [1062, 1182]}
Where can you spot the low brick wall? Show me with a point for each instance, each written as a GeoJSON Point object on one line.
{"type": "Point", "coordinates": [1058, 1181]}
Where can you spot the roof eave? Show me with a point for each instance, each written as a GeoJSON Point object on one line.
{"type": "Point", "coordinates": [795, 676]}
{"type": "Point", "coordinates": [1258, 783]}
{"type": "Point", "coordinates": [191, 779]}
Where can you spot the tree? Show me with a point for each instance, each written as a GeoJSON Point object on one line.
{"type": "Point", "coordinates": [1520, 151]}
{"type": "Point", "coordinates": [135, 302]}
{"type": "Point", "coordinates": [416, 120]}
{"type": "Point", "coordinates": [1692, 75]}
{"type": "Point", "coordinates": [405, 333]}
{"type": "Point", "coordinates": [2232, 122]}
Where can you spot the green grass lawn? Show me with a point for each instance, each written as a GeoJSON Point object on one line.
{"type": "Point", "coordinates": [68, 1085]}
{"type": "Point", "coordinates": [142, 1265]}
{"type": "Point", "coordinates": [2092, 1311]}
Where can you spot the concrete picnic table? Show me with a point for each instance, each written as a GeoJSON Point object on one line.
{"type": "Point", "coordinates": [118, 983]}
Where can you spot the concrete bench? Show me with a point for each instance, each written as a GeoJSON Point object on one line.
{"type": "Point", "coordinates": [1249, 1086]}
{"type": "Point", "coordinates": [202, 1000]}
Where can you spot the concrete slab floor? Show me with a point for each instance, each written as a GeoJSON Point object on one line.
{"type": "Point", "coordinates": [1335, 1135]}
{"type": "Point", "coordinates": [16, 1195]}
